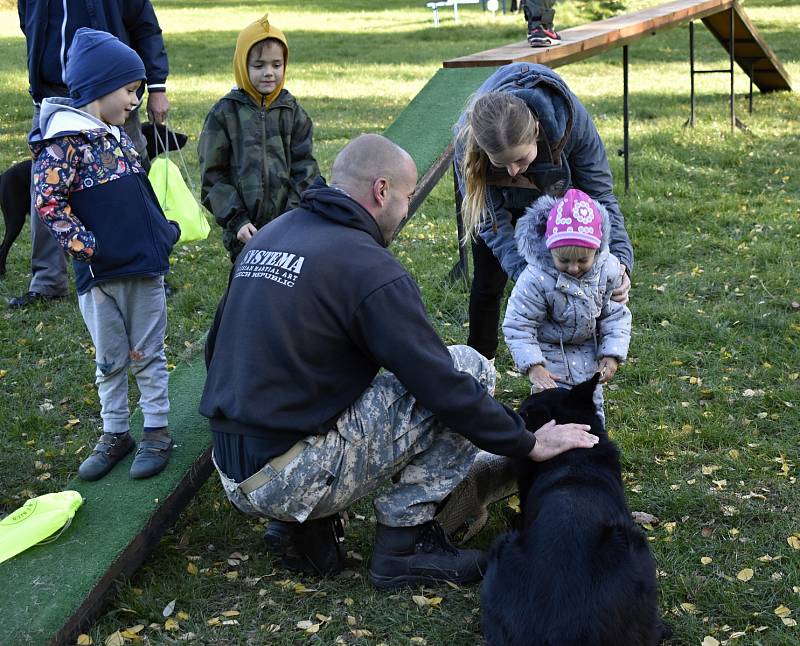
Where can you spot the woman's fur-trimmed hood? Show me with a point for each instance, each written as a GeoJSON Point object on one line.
{"type": "Point", "coordinates": [530, 231]}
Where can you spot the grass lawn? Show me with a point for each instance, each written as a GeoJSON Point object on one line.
{"type": "Point", "coordinates": [706, 411]}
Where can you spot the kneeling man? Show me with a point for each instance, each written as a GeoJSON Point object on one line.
{"type": "Point", "coordinates": [305, 422]}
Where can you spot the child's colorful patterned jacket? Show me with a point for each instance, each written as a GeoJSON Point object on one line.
{"type": "Point", "coordinates": [93, 194]}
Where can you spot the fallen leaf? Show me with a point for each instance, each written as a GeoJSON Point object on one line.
{"type": "Point", "coordinates": [360, 632]}
{"type": "Point", "coordinates": [115, 639]}
{"type": "Point", "coordinates": [794, 541]}
{"type": "Point", "coordinates": [191, 568]}
{"type": "Point", "coordinates": [745, 575]}
{"type": "Point", "coordinates": [169, 608]}
{"type": "Point", "coordinates": [230, 613]}
{"type": "Point", "coordinates": [705, 560]}
{"type": "Point", "coordinates": [643, 518]}
{"type": "Point", "coordinates": [182, 616]}
{"type": "Point", "coordinates": [782, 611]}
{"type": "Point", "coordinates": [708, 640]}
{"type": "Point", "coordinates": [788, 621]}
{"type": "Point", "coordinates": [83, 639]}
{"type": "Point", "coordinates": [171, 624]}
{"type": "Point", "coordinates": [214, 621]}
{"type": "Point", "coordinates": [689, 608]}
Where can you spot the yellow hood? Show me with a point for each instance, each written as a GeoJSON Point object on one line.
{"type": "Point", "coordinates": [250, 35]}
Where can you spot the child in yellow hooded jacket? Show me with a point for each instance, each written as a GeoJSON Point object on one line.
{"type": "Point", "coordinates": [255, 149]}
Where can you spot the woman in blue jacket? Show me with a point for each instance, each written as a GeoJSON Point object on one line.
{"type": "Point", "coordinates": [524, 134]}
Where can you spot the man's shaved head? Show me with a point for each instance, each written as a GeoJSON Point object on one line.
{"type": "Point", "coordinates": [366, 158]}
{"type": "Point", "coordinates": [380, 176]}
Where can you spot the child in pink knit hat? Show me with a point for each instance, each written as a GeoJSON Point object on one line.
{"type": "Point", "coordinates": [561, 325]}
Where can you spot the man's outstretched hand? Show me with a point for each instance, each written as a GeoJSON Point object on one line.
{"type": "Point", "coordinates": [553, 439]}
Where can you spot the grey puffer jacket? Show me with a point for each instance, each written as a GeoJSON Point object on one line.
{"type": "Point", "coordinates": [553, 319]}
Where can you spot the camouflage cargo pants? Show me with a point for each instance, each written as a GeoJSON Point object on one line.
{"type": "Point", "coordinates": [385, 436]}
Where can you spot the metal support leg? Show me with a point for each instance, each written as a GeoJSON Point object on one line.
{"type": "Point", "coordinates": [731, 45]}
{"type": "Point", "coordinates": [625, 118]}
{"type": "Point", "coordinates": [691, 74]}
{"type": "Point", "coordinates": [460, 270]}
{"type": "Point", "coordinates": [750, 94]}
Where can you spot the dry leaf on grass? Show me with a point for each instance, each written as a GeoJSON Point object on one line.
{"type": "Point", "coordinates": [643, 518]}
{"type": "Point", "coordinates": [84, 640]}
{"type": "Point", "coordinates": [745, 575]}
{"type": "Point", "coordinates": [169, 608]}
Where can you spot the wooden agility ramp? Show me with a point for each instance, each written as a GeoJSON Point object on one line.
{"type": "Point", "coordinates": [52, 591]}
{"type": "Point", "coordinates": [751, 51]}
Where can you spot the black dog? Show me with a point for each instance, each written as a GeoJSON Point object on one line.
{"type": "Point", "coordinates": [15, 202]}
{"type": "Point", "coordinates": [15, 184]}
{"type": "Point", "coordinates": [579, 572]}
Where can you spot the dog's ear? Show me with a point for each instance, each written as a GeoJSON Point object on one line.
{"type": "Point", "coordinates": [581, 395]}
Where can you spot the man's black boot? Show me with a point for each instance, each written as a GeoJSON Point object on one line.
{"type": "Point", "coordinates": [421, 555]}
{"type": "Point", "coordinates": [314, 547]}
{"type": "Point", "coordinates": [278, 535]}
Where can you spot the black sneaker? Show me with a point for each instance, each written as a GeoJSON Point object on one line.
{"type": "Point", "coordinates": [314, 547]}
{"type": "Point", "coordinates": [543, 36]}
{"type": "Point", "coordinates": [421, 555]}
{"type": "Point", "coordinates": [30, 298]}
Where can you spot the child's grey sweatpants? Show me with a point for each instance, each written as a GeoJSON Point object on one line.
{"type": "Point", "coordinates": [127, 319]}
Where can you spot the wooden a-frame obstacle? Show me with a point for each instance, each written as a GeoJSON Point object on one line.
{"type": "Point", "coordinates": [51, 592]}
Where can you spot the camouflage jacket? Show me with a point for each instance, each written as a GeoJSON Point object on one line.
{"type": "Point", "coordinates": [254, 161]}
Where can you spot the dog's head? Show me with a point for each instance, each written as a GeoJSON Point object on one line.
{"type": "Point", "coordinates": [159, 137]}
{"type": "Point", "coordinates": [565, 406]}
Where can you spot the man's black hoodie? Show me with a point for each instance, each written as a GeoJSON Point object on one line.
{"type": "Point", "coordinates": [315, 307]}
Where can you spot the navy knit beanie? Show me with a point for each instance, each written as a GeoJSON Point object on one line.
{"type": "Point", "coordinates": [99, 63]}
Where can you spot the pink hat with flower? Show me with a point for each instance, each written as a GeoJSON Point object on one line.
{"type": "Point", "coordinates": [574, 221]}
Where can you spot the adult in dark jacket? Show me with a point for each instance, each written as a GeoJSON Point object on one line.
{"type": "Point", "coordinates": [525, 134]}
{"type": "Point", "coordinates": [49, 28]}
{"type": "Point", "coordinates": [305, 423]}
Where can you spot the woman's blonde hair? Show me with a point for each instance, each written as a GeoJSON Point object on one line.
{"type": "Point", "coordinates": [495, 122]}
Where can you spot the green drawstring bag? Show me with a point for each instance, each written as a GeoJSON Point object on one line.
{"type": "Point", "coordinates": [177, 200]}
{"type": "Point", "coordinates": [36, 520]}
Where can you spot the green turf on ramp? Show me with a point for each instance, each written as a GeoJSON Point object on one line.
{"type": "Point", "coordinates": [425, 127]}
{"type": "Point", "coordinates": [44, 588]}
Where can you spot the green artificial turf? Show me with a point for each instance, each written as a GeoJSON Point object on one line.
{"type": "Point", "coordinates": [425, 127]}
{"type": "Point", "coordinates": [46, 585]}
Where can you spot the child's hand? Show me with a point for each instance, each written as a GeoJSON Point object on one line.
{"type": "Point", "coordinates": [541, 378]}
{"type": "Point", "coordinates": [608, 368]}
{"type": "Point", "coordinates": [246, 232]}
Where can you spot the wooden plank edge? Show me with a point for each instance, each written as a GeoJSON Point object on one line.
{"type": "Point", "coordinates": [427, 182]}
{"type": "Point", "coordinates": [571, 51]}
{"type": "Point", "coordinates": [137, 550]}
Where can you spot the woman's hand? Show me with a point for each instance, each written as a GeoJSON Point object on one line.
{"type": "Point", "coordinates": [620, 294]}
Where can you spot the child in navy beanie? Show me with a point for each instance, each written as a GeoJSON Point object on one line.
{"type": "Point", "coordinates": [93, 194]}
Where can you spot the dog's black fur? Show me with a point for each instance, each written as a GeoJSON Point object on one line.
{"type": "Point", "coordinates": [579, 572]}
{"type": "Point", "coordinates": [15, 202]}
{"type": "Point", "coordinates": [15, 185]}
